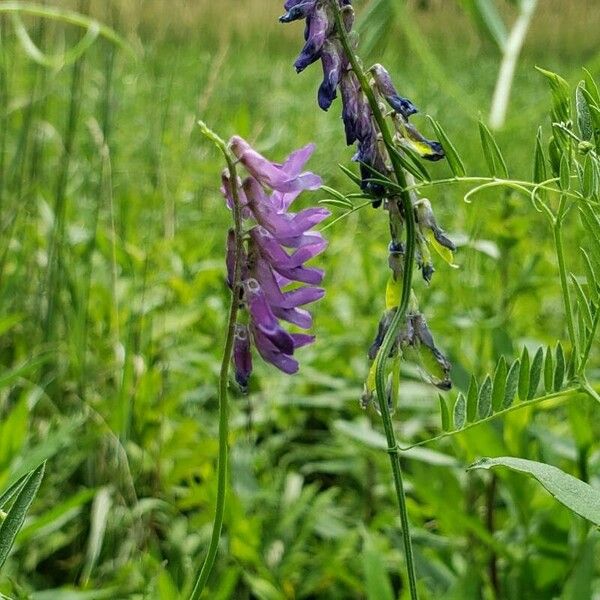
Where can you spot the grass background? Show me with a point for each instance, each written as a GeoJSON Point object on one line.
{"type": "Point", "coordinates": [112, 308]}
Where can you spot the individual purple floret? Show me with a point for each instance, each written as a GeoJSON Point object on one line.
{"type": "Point", "coordinates": [269, 272]}
{"type": "Point", "coordinates": [384, 85]}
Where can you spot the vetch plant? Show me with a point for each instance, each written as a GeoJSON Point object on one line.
{"type": "Point", "coordinates": [389, 154]}
{"type": "Point", "coordinates": [265, 262]}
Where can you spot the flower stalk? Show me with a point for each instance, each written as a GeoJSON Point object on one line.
{"type": "Point", "coordinates": [400, 314]}
{"type": "Point", "coordinates": [222, 464]}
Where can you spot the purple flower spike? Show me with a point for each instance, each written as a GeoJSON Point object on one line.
{"type": "Point", "coordinates": [286, 178]}
{"type": "Point", "coordinates": [242, 356]}
{"type": "Point", "coordinates": [386, 88]}
{"type": "Point", "coordinates": [269, 273]}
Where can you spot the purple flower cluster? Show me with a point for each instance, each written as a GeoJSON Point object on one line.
{"type": "Point", "coordinates": [268, 270]}
{"type": "Point", "coordinates": [323, 43]}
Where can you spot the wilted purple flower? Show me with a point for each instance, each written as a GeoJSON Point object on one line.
{"type": "Point", "coordinates": [267, 268]}
{"type": "Point", "coordinates": [383, 83]}
{"type": "Point", "coordinates": [427, 221]}
{"type": "Point", "coordinates": [416, 343]}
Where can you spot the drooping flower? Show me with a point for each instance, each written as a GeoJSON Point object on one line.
{"type": "Point", "coordinates": [416, 343]}
{"type": "Point", "coordinates": [272, 262]}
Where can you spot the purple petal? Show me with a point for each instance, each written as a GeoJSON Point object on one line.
{"type": "Point", "coordinates": [242, 356]}
{"type": "Point", "coordinates": [283, 178]}
{"type": "Point", "coordinates": [295, 162]}
{"type": "Point", "coordinates": [297, 316]}
{"type": "Point", "coordinates": [300, 9]}
{"type": "Point", "coordinates": [264, 319]}
{"type": "Point", "coordinates": [285, 227]}
{"type": "Point", "coordinates": [334, 63]}
{"type": "Point", "coordinates": [302, 339]}
{"type": "Point", "coordinates": [272, 354]}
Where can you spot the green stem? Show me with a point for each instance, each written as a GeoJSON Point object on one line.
{"type": "Point", "coordinates": [590, 342]}
{"type": "Point", "coordinates": [399, 317]}
{"type": "Point", "coordinates": [209, 561]}
{"type": "Point", "coordinates": [560, 254]}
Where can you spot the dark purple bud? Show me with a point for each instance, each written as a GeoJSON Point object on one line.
{"type": "Point", "coordinates": [386, 88]}
{"type": "Point", "coordinates": [334, 63]}
{"type": "Point", "coordinates": [299, 10]}
{"type": "Point", "coordinates": [242, 356]}
{"type": "Point", "coordinates": [320, 26]}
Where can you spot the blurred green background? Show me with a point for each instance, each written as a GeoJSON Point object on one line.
{"type": "Point", "coordinates": [113, 305]}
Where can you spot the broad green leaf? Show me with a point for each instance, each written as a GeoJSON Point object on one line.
{"type": "Point", "coordinates": [484, 404]}
{"type": "Point", "coordinates": [445, 413]}
{"type": "Point", "coordinates": [499, 387]}
{"type": "Point", "coordinates": [512, 383]}
{"type": "Point", "coordinates": [16, 515]}
{"type": "Point", "coordinates": [573, 493]}
{"type": "Point", "coordinates": [559, 371]}
{"type": "Point", "coordinates": [535, 373]}
{"type": "Point", "coordinates": [524, 375]}
{"type": "Point", "coordinates": [472, 396]}
{"type": "Point", "coordinates": [491, 151]}
{"type": "Point", "coordinates": [460, 412]}
{"type": "Point", "coordinates": [454, 161]}
{"type": "Point", "coordinates": [549, 371]}
{"type": "Point", "coordinates": [584, 115]}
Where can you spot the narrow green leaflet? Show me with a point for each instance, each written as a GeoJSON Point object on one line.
{"type": "Point", "coordinates": [549, 371]}
{"type": "Point", "coordinates": [460, 412]}
{"type": "Point", "coordinates": [559, 371]}
{"type": "Point", "coordinates": [573, 493]}
{"type": "Point", "coordinates": [484, 405]}
{"type": "Point", "coordinates": [493, 156]}
{"type": "Point", "coordinates": [472, 396]}
{"type": "Point", "coordinates": [535, 373]}
{"type": "Point", "coordinates": [16, 515]}
{"type": "Point", "coordinates": [561, 96]}
{"type": "Point", "coordinates": [499, 387]}
{"type": "Point", "coordinates": [454, 160]}
{"type": "Point", "coordinates": [512, 383]}
{"type": "Point", "coordinates": [445, 413]}
{"type": "Point", "coordinates": [584, 114]}
{"type": "Point", "coordinates": [524, 375]}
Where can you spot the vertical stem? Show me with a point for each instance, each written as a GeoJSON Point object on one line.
{"type": "Point", "coordinates": [224, 374]}
{"type": "Point", "coordinates": [510, 57]}
{"type": "Point", "coordinates": [560, 254]}
{"type": "Point", "coordinates": [399, 317]}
